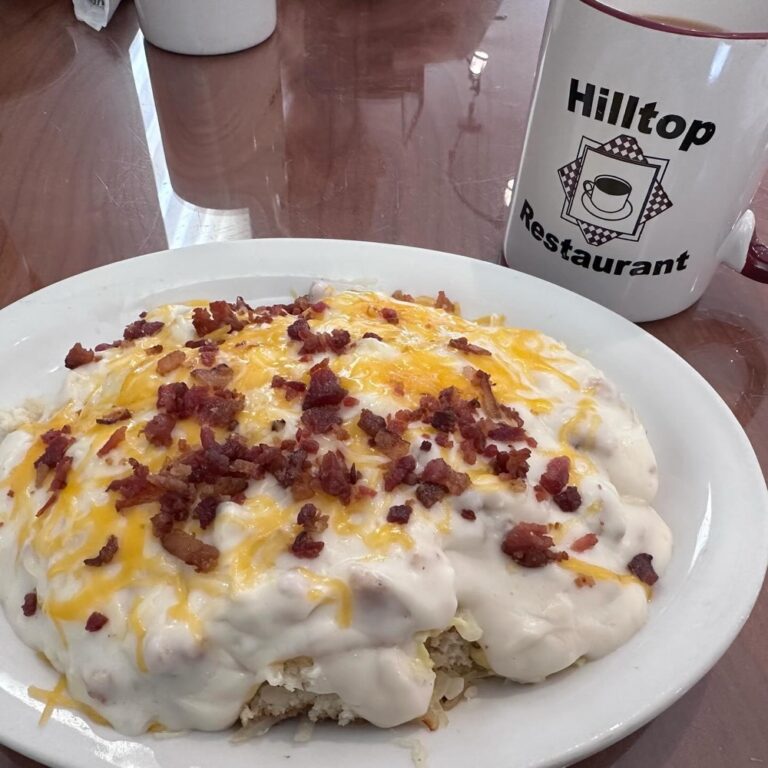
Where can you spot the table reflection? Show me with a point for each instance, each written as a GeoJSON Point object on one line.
{"type": "Point", "coordinates": [258, 143]}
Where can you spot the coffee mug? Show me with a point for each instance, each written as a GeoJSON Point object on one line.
{"type": "Point", "coordinates": [206, 27]}
{"type": "Point", "coordinates": [646, 141]}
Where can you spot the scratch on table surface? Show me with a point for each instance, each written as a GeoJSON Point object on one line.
{"type": "Point", "coordinates": [150, 231]}
{"type": "Point", "coordinates": [106, 187]}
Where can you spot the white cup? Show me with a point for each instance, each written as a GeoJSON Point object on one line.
{"type": "Point", "coordinates": [645, 145]}
{"type": "Point", "coordinates": [206, 27]}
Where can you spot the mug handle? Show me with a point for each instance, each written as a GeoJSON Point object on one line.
{"type": "Point", "coordinates": [588, 187]}
{"type": "Point", "coordinates": [756, 266]}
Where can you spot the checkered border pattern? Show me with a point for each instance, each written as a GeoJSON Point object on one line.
{"type": "Point", "coordinates": [658, 202]}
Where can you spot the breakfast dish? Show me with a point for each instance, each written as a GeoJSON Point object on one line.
{"type": "Point", "coordinates": [350, 506]}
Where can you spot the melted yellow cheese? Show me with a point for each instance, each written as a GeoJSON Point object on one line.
{"type": "Point", "coordinates": [59, 698]}
{"type": "Point", "coordinates": [599, 573]}
{"type": "Point", "coordinates": [325, 589]}
{"type": "Point", "coordinates": [84, 516]}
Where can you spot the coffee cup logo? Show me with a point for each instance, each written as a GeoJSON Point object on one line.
{"type": "Point", "coordinates": [607, 197]}
{"type": "Point", "coordinates": [612, 189]}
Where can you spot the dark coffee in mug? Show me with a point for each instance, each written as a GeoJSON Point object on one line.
{"type": "Point", "coordinates": [682, 23]}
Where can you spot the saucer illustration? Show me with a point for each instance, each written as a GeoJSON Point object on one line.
{"type": "Point", "coordinates": [622, 213]}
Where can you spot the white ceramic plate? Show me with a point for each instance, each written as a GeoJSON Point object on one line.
{"type": "Point", "coordinates": [708, 471]}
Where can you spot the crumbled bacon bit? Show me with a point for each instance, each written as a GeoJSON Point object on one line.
{"type": "Point", "coordinates": [170, 362]}
{"type": "Point", "coordinates": [52, 499]}
{"type": "Point", "coordinates": [217, 315]}
{"type": "Point", "coordinates": [106, 553]}
{"type": "Point", "coordinates": [361, 491]}
{"type": "Point", "coordinates": [59, 481]}
{"type": "Point", "coordinates": [400, 296]}
{"type": "Point", "coordinates": [218, 377]}
{"type": "Point", "coordinates": [425, 445]}
{"type": "Point", "coordinates": [57, 442]}
{"type": "Point", "coordinates": [582, 581]}
{"type": "Point", "coordinates": [297, 328]}
{"type": "Point", "coordinates": [162, 523]}
{"type": "Point", "coordinates": [399, 422]}
{"type": "Point", "coordinates": [319, 307]}
{"type": "Point", "coordinates": [190, 550]}
{"type": "Point", "coordinates": [29, 607]}
{"type": "Point", "coordinates": [305, 547]}
{"type": "Point", "coordinates": [321, 420]}
{"type": "Point", "coordinates": [106, 345]}
{"type": "Point", "coordinates": [159, 428]}
{"type": "Point", "coordinates": [391, 444]}
{"type": "Point", "coordinates": [139, 329]}
{"type": "Point", "coordinates": [208, 354]}
{"type": "Point", "coordinates": [529, 545]}
{"type": "Point", "coordinates": [490, 405]}
{"type": "Point", "coordinates": [430, 493]}
{"type": "Point", "coordinates": [513, 463]}
{"type": "Point", "coordinates": [400, 470]}
{"type": "Point", "coordinates": [444, 421]}
{"type": "Point", "coordinates": [172, 398]}
{"type": "Point", "coordinates": [154, 350]}
{"type": "Point", "coordinates": [309, 445]}
{"type": "Point", "coordinates": [463, 345]}
{"type": "Point", "coordinates": [641, 567]}
{"type": "Point", "coordinates": [585, 542]}
{"type": "Point", "coordinates": [390, 315]}
{"type": "Point", "coordinates": [468, 451]}
{"type": "Point", "coordinates": [205, 511]}
{"type": "Point", "coordinates": [506, 433]}
{"type": "Point", "coordinates": [219, 408]}
{"type": "Point", "coordinates": [324, 388]}
{"type": "Point", "coordinates": [443, 302]}
{"type": "Point", "coordinates": [371, 335]}
{"type": "Point", "coordinates": [399, 514]}
{"type": "Point", "coordinates": [469, 514]}
{"type": "Point", "coordinates": [203, 322]}
{"type": "Point", "coordinates": [440, 473]}
{"type": "Point", "coordinates": [10, 493]}
{"type": "Point", "coordinates": [350, 402]}
{"type": "Point", "coordinates": [398, 387]}
{"type": "Point", "coordinates": [78, 356]}
{"type": "Point", "coordinates": [278, 425]}
{"type": "Point", "coordinates": [443, 440]}
{"type": "Point", "coordinates": [313, 343]}
{"type": "Point", "coordinates": [555, 477]}
{"type": "Point", "coordinates": [569, 499]}
{"type": "Point", "coordinates": [96, 621]}
{"type": "Point", "coordinates": [119, 414]}
{"type": "Point", "coordinates": [310, 519]}
{"type": "Point", "coordinates": [333, 475]}
{"type": "Point", "coordinates": [135, 488]}
{"type": "Point", "coordinates": [113, 441]}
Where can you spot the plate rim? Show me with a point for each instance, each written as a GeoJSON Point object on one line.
{"type": "Point", "coordinates": [605, 737]}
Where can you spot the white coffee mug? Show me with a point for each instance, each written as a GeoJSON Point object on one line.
{"type": "Point", "coordinates": [206, 27]}
{"type": "Point", "coordinates": [647, 139]}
